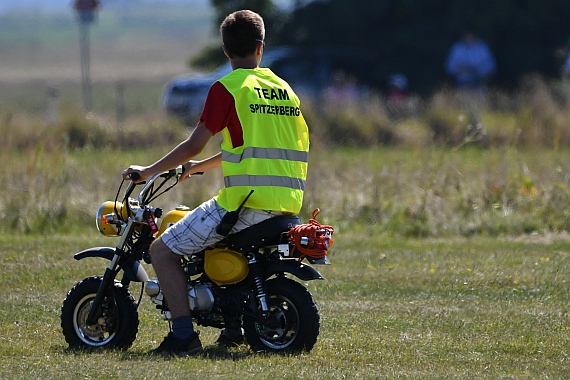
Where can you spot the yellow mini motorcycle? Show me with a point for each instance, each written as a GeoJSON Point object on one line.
{"type": "Point", "coordinates": [244, 281]}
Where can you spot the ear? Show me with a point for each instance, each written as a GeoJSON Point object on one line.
{"type": "Point", "coordinates": [225, 52]}
{"type": "Point", "coordinates": [259, 49]}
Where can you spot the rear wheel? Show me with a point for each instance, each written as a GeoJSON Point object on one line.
{"type": "Point", "coordinates": [292, 324]}
{"type": "Point", "coordinates": [117, 327]}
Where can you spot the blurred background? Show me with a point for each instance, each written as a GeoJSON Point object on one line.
{"type": "Point", "coordinates": [98, 85]}
{"type": "Point", "coordinates": [389, 72]}
{"type": "Point", "coordinates": [135, 42]}
{"type": "Point", "coordinates": [40, 40]}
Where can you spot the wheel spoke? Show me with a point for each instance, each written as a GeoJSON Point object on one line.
{"type": "Point", "coordinates": [96, 335]}
{"type": "Point", "coordinates": [281, 325]}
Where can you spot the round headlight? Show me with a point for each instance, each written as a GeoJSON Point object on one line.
{"type": "Point", "coordinates": [106, 216]}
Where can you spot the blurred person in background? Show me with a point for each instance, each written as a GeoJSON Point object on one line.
{"type": "Point", "coordinates": [470, 62]}
{"type": "Point", "coordinates": [342, 89]}
{"type": "Point", "coordinates": [399, 102]}
{"type": "Point", "coordinates": [397, 88]}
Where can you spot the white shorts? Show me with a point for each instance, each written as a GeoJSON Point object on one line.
{"type": "Point", "coordinates": [197, 230]}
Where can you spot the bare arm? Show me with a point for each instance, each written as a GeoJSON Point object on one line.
{"type": "Point", "coordinates": [180, 155]}
{"type": "Point", "coordinates": [201, 166]}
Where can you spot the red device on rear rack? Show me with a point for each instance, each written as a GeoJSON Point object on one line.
{"type": "Point", "coordinates": [311, 239]}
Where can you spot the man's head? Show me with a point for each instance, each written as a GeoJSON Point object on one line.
{"type": "Point", "coordinates": [242, 32]}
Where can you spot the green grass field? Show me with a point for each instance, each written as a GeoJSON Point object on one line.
{"type": "Point", "coordinates": [390, 308]}
{"type": "Point", "coordinates": [393, 305]}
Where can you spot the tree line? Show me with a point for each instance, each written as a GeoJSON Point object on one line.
{"type": "Point", "coordinates": [413, 37]}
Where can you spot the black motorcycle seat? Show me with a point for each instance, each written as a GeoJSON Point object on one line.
{"type": "Point", "coordinates": [262, 234]}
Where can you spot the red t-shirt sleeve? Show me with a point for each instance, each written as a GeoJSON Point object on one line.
{"type": "Point", "coordinates": [220, 112]}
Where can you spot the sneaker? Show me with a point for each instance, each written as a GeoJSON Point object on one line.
{"type": "Point", "coordinates": [176, 346]}
{"type": "Point", "coordinates": [230, 338]}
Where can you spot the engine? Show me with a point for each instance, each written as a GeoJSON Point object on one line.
{"type": "Point", "coordinates": [200, 296]}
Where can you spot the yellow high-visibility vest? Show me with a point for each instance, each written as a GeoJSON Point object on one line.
{"type": "Point", "coordinates": [274, 156]}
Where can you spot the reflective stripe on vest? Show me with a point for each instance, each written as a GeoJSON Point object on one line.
{"type": "Point", "coordinates": [270, 153]}
{"type": "Point", "coordinates": [264, 180]}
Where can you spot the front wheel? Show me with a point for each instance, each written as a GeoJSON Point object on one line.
{"type": "Point", "coordinates": [116, 328]}
{"type": "Point", "coordinates": [292, 324]}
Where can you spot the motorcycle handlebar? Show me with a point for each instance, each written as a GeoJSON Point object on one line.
{"type": "Point", "coordinates": [171, 173]}
{"type": "Point", "coordinates": [149, 192]}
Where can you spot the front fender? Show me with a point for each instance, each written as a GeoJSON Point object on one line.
{"type": "Point", "coordinates": [134, 271]}
{"type": "Point", "coordinates": [302, 271]}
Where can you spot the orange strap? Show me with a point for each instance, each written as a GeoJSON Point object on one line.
{"type": "Point", "coordinates": [317, 243]}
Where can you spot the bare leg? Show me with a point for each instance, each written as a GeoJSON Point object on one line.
{"type": "Point", "coordinates": [182, 339]}
{"type": "Point", "coordinates": [171, 277]}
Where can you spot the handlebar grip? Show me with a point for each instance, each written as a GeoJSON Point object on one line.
{"type": "Point", "coordinates": [135, 176]}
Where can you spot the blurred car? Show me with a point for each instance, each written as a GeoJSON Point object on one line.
{"type": "Point", "coordinates": [308, 72]}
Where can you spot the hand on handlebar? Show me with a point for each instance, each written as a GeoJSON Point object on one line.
{"type": "Point", "coordinates": [189, 170]}
{"type": "Point", "coordinates": [135, 173]}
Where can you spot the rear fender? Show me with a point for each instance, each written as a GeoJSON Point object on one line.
{"type": "Point", "coordinates": [302, 271]}
{"type": "Point", "coordinates": [134, 271]}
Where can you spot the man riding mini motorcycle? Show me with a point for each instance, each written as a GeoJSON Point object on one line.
{"type": "Point", "coordinates": [264, 160]}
